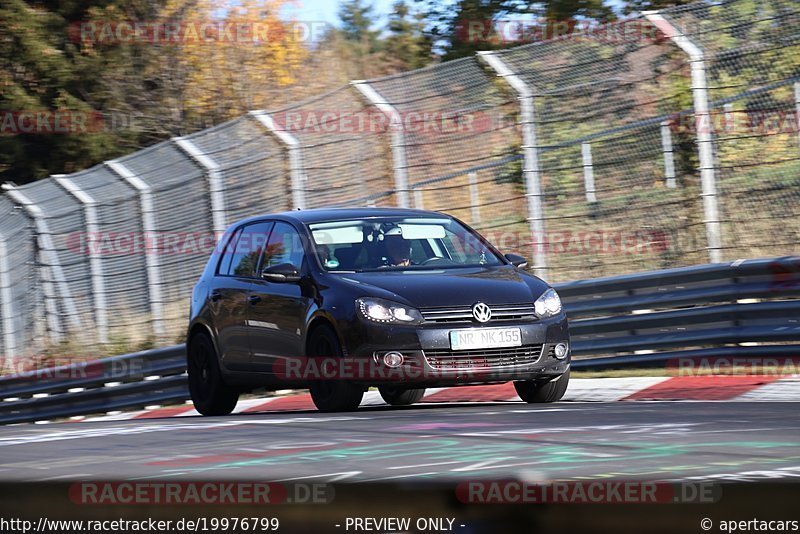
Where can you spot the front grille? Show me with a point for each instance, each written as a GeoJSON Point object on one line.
{"type": "Point", "coordinates": [446, 359]}
{"type": "Point", "coordinates": [500, 312]}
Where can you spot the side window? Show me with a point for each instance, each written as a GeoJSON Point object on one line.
{"type": "Point", "coordinates": [227, 254]}
{"type": "Point", "coordinates": [284, 247]}
{"type": "Point", "coordinates": [248, 249]}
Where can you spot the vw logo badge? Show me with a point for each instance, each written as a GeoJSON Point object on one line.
{"type": "Point", "coordinates": [481, 312]}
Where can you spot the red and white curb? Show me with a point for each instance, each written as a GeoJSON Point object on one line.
{"type": "Point", "coordinates": [682, 388]}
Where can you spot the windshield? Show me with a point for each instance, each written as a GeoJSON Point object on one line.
{"type": "Point", "coordinates": [399, 243]}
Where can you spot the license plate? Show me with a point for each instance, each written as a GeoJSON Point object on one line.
{"type": "Point", "coordinates": [485, 338]}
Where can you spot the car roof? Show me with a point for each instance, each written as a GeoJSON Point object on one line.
{"type": "Point", "coordinates": [339, 214]}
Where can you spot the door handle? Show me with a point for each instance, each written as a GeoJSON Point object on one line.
{"type": "Point", "coordinates": [254, 299]}
{"type": "Point", "coordinates": [214, 296]}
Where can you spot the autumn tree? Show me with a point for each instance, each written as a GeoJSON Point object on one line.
{"type": "Point", "coordinates": [249, 60]}
{"type": "Point", "coordinates": [73, 56]}
{"type": "Point", "coordinates": [407, 46]}
{"type": "Point", "coordinates": [450, 23]}
{"type": "Point", "coordinates": [356, 40]}
{"type": "Point", "coordinates": [44, 69]}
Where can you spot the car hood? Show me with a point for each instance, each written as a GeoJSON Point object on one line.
{"type": "Point", "coordinates": [450, 287]}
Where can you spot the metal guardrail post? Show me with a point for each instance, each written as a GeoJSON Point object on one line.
{"type": "Point", "coordinates": [400, 162]}
{"type": "Point", "coordinates": [299, 180]}
{"type": "Point", "coordinates": [53, 264]}
{"type": "Point", "coordinates": [703, 126]}
{"type": "Point", "coordinates": [588, 172]}
{"type": "Point", "coordinates": [95, 264]}
{"type": "Point", "coordinates": [7, 305]}
{"type": "Point", "coordinates": [532, 171]}
{"type": "Point", "coordinates": [215, 186]}
{"type": "Point", "coordinates": [151, 253]}
{"type": "Point", "coordinates": [669, 156]}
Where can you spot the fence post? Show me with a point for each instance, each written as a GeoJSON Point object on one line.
{"type": "Point", "coordinates": [474, 197]}
{"type": "Point", "coordinates": [7, 306]}
{"type": "Point", "coordinates": [95, 263]}
{"type": "Point", "coordinates": [729, 117]}
{"type": "Point", "coordinates": [398, 139]}
{"type": "Point", "coordinates": [53, 264]}
{"type": "Point", "coordinates": [215, 186]}
{"type": "Point", "coordinates": [299, 180]}
{"type": "Point", "coordinates": [419, 198]}
{"type": "Point", "coordinates": [531, 171]}
{"type": "Point", "coordinates": [703, 125]}
{"type": "Point", "coordinates": [150, 253]}
{"type": "Point", "coordinates": [669, 157]}
{"type": "Point", "coordinates": [797, 108]}
{"type": "Point", "coordinates": [588, 172]}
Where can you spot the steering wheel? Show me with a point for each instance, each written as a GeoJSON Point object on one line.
{"type": "Point", "coordinates": [437, 259]}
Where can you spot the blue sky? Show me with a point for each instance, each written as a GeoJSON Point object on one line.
{"type": "Point", "coordinates": [326, 10]}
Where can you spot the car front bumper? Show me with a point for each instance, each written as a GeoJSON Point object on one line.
{"type": "Point", "coordinates": [428, 360]}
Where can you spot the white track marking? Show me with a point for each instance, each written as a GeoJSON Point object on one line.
{"type": "Point", "coordinates": [336, 476]}
{"type": "Point", "coordinates": [75, 476]}
{"type": "Point", "coordinates": [785, 389]}
{"type": "Point", "coordinates": [425, 465]}
{"type": "Point", "coordinates": [401, 476]}
{"type": "Point", "coordinates": [609, 389]}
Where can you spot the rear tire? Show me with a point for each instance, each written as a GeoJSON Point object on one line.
{"type": "Point", "coordinates": [532, 391]}
{"type": "Point", "coordinates": [210, 395]}
{"type": "Point", "coordinates": [331, 395]}
{"type": "Point", "coordinates": [401, 396]}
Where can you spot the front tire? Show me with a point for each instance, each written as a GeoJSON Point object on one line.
{"type": "Point", "coordinates": [401, 396]}
{"type": "Point", "coordinates": [210, 395]}
{"type": "Point", "coordinates": [532, 391]}
{"type": "Point", "coordinates": [331, 395]}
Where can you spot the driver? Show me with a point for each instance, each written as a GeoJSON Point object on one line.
{"type": "Point", "coordinates": [398, 249]}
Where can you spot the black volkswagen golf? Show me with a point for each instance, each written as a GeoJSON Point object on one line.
{"type": "Point", "coordinates": [340, 300]}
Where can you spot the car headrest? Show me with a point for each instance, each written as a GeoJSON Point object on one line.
{"type": "Point", "coordinates": [347, 256]}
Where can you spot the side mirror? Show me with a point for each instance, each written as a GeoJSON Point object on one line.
{"type": "Point", "coordinates": [283, 272]}
{"type": "Point", "coordinates": [517, 260]}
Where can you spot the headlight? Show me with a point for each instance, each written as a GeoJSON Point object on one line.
{"type": "Point", "coordinates": [386, 311]}
{"type": "Point", "coordinates": [548, 305]}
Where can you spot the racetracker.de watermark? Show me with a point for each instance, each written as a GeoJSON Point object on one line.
{"type": "Point", "coordinates": [594, 241]}
{"type": "Point", "coordinates": [51, 122]}
{"type": "Point", "coordinates": [586, 492]}
{"type": "Point", "coordinates": [62, 122]}
{"type": "Point", "coordinates": [529, 30]}
{"type": "Point", "coordinates": [322, 368]}
{"type": "Point", "coordinates": [367, 121]}
{"type": "Point", "coordinates": [64, 368]}
{"type": "Point", "coordinates": [139, 32]}
{"type": "Point", "coordinates": [734, 366]}
{"type": "Point", "coordinates": [761, 122]}
{"type": "Point", "coordinates": [199, 493]}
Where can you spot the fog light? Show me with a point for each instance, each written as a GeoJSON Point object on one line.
{"type": "Point", "coordinates": [393, 359]}
{"type": "Point", "coordinates": [561, 350]}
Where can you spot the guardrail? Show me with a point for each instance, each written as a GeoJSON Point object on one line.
{"type": "Point", "coordinates": [122, 382]}
{"type": "Point", "coordinates": [696, 312]}
{"type": "Point", "coordinates": [736, 310]}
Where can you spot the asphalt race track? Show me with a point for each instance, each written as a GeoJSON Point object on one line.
{"type": "Point", "coordinates": [730, 441]}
